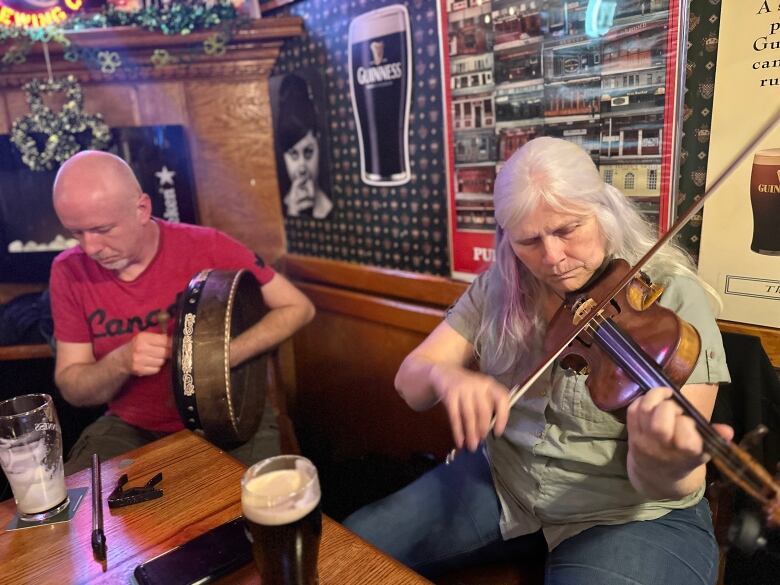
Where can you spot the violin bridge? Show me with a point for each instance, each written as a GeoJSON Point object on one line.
{"type": "Point", "coordinates": [582, 310]}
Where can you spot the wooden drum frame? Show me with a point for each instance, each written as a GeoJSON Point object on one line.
{"type": "Point", "coordinates": [226, 404]}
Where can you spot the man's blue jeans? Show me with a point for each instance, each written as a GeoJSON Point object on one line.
{"type": "Point", "coordinates": [449, 518]}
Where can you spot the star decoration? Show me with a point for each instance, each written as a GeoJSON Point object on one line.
{"type": "Point", "coordinates": [165, 176]}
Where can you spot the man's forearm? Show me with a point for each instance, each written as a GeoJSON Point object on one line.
{"type": "Point", "coordinates": [275, 327]}
{"type": "Point", "coordinates": [95, 383]}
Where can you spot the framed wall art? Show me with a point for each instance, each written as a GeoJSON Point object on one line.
{"type": "Point", "coordinates": [603, 74]}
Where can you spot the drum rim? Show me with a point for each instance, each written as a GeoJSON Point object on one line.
{"type": "Point", "coordinates": [206, 411]}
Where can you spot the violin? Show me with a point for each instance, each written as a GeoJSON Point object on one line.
{"type": "Point", "coordinates": [632, 344]}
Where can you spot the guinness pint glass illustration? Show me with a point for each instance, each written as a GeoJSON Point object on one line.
{"type": "Point", "coordinates": [380, 49]}
{"type": "Point", "coordinates": [765, 200]}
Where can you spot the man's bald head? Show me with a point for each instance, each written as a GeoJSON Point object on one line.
{"type": "Point", "coordinates": [98, 199]}
{"type": "Point", "coordinates": [93, 175]}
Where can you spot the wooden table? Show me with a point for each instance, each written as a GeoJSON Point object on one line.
{"type": "Point", "coordinates": [202, 490]}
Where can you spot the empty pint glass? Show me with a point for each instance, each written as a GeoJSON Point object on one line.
{"type": "Point", "coordinates": [280, 500]}
{"type": "Point", "coordinates": [380, 50]}
{"type": "Point", "coordinates": [31, 456]}
{"type": "Point", "coordinates": [765, 201]}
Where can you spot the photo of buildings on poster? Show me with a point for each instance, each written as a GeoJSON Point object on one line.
{"type": "Point", "coordinates": [521, 69]}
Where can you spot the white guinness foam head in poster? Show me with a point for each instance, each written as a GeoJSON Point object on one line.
{"type": "Point", "coordinates": [380, 49]}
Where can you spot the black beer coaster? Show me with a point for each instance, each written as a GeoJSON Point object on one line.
{"type": "Point", "coordinates": [75, 495]}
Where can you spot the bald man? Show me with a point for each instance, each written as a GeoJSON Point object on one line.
{"type": "Point", "coordinates": [106, 294]}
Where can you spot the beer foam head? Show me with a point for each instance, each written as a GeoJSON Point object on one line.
{"type": "Point", "coordinates": [280, 496]}
{"type": "Point", "coordinates": [768, 156]}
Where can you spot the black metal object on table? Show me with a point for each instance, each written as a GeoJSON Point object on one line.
{"type": "Point", "coordinates": [122, 497]}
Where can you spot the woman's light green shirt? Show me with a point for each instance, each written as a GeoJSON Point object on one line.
{"type": "Point", "coordinates": [561, 463]}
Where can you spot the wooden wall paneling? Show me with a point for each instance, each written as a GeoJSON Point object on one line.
{"type": "Point", "coordinates": [163, 102]}
{"type": "Point", "coordinates": [9, 291]}
{"type": "Point", "coordinates": [16, 105]}
{"type": "Point", "coordinates": [5, 117]}
{"type": "Point", "coordinates": [118, 102]}
{"type": "Point", "coordinates": [418, 318]}
{"type": "Point", "coordinates": [233, 162]}
{"type": "Point", "coordinates": [413, 286]}
{"type": "Point", "coordinates": [346, 404]}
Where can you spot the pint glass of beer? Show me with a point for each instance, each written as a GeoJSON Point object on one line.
{"type": "Point", "coordinates": [765, 201]}
{"type": "Point", "coordinates": [380, 50]}
{"type": "Point", "coordinates": [280, 499]}
{"type": "Point", "coordinates": [31, 456]}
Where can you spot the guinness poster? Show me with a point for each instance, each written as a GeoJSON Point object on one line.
{"type": "Point", "coordinates": [387, 177]}
{"type": "Point", "coordinates": [380, 81]}
{"type": "Point", "coordinates": [30, 233]}
{"type": "Point", "coordinates": [740, 246]}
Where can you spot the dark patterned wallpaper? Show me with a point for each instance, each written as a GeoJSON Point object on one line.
{"type": "Point", "coordinates": [407, 227]}
{"type": "Point", "coordinates": [704, 23]}
{"type": "Point", "coordinates": [394, 227]}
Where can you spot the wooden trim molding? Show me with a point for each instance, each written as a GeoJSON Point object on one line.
{"type": "Point", "coordinates": [249, 54]}
{"type": "Point", "coordinates": [25, 352]}
{"type": "Point", "coordinates": [267, 6]}
{"type": "Point", "coordinates": [373, 308]}
{"type": "Point", "coordinates": [415, 289]}
{"type": "Point", "coordinates": [770, 337]}
{"type": "Point", "coordinates": [399, 284]}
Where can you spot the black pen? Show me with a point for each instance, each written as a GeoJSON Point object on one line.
{"type": "Point", "coordinates": [98, 538]}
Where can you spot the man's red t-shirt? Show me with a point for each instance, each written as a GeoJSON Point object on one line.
{"type": "Point", "coordinates": [91, 305]}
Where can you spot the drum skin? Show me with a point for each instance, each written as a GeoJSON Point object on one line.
{"type": "Point", "coordinates": [225, 404]}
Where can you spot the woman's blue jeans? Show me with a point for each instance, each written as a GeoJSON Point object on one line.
{"type": "Point", "coordinates": [449, 519]}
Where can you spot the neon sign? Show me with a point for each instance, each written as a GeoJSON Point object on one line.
{"type": "Point", "coordinates": [35, 14]}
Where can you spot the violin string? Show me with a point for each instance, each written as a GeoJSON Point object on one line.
{"type": "Point", "coordinates": [717, 447]}
{"type": "Point", "coordinates": [707, 432]}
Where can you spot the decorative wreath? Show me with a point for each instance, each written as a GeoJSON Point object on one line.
{"type": "Point", "coordinates": [59, 130]}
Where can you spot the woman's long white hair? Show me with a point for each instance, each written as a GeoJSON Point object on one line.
{"type": "Point", "coordinates": [563, 175]}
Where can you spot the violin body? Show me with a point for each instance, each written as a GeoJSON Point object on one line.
{"type": "Point", "coordinates": [630, 345]}
{"type": "Point", "coordinates": [672, 343]}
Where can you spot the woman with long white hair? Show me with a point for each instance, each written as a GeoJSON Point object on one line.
{"type": "Point", "coordinates": [613, 503]}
